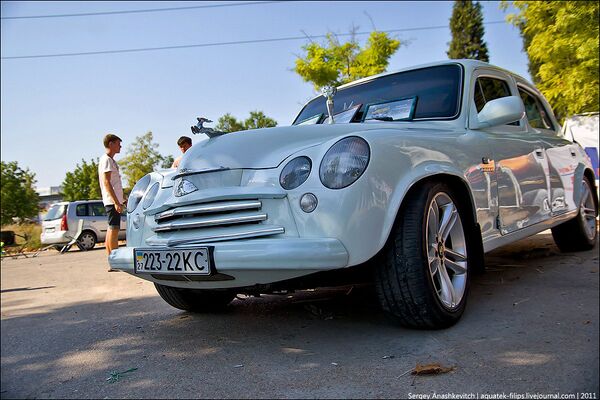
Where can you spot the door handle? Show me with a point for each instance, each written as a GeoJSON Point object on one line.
{"type": "Point", "coordinates": [573, 152]}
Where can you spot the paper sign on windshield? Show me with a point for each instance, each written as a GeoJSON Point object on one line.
{"type": "Point", "coordinates": [395, 110]}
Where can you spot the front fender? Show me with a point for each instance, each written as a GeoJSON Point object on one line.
{"type": "Point", "coordinates": [362, 215]}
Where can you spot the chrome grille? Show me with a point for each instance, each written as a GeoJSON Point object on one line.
{"type": "Point", "coordinates": [231, 219]}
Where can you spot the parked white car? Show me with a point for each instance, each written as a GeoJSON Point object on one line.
{"type": "Point", "coordinates": [420, 173]}
{"type": "Point", "coordinates": [61, 223]}
{"type": "Point", "coordinates": [584, 129]}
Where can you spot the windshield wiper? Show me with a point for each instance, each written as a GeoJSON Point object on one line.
{"type": "Point", "coordinates": [383, 118]}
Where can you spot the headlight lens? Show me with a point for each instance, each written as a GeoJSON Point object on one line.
{"type": "Point", "coordinates": [149, 198]}
{"type": "Point", "coordinates": [295, 173]}
{"type": "Point", "coordinates": [344, 162]}
{"type": "Point", "coordinates": [137, 192]}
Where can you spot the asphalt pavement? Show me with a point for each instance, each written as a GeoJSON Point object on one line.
{"type": "Point", "coordinates": [69, 329]}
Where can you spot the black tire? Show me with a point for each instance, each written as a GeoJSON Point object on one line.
{"type": "Point", "coordinates": [574, 235]}
{"type": "Point", "coordinates": [195, 300]}
{"type": "Point", "coordinates": [406, 287]}
{"type": "Point", "coordinates": [87, 240]}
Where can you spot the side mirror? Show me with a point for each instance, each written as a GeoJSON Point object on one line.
{"type": "Point", "coordinates": [499, 112]}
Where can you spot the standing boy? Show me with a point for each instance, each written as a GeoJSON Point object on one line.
{"type": "Point", "coordinates": [112, 190]}
{"type": "Point", "coordinates": [184, 144]}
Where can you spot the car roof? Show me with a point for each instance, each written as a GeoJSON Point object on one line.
{"type": "Point", "coordinates": [468, 64]}
{"type": "Point", "coordinates": [63, 203]}
{"type": "Point", "coordinates": [85, 201]}
{"type": "Point", "coordinates": [585, 114]}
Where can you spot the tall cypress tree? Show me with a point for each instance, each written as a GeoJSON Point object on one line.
{"type": "Point", "coordinates": [466, 26]}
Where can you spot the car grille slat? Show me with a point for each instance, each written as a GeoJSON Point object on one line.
{"type": "Point", "coordinates": [210, 208]}
{"type": "Point", "coordinates": [211, 221]}
{"type": "Point", "coordinates": [209, 236]}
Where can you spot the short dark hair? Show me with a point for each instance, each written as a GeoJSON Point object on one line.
{"type": "Point", "coordinates": [110, 138]}
{"type": "Point", "coordinates": [184, 139]}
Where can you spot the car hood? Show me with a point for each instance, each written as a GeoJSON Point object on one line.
{"type": "Point", "coordinates": [258, 148]}
{"type": "Point", "coordinates": [268, 147]}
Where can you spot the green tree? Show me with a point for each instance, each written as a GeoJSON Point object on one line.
{"type": "Point", "coordinates": [336, 63]}
{"type": "Point", "coordinates": [257, 119]}
{"type": "Point", "coordinates": [228, 123]}
{"type": "Point", "coordinates": [142, 158]}
{"type": "Point", "coordinates": [561, 41]}
{"type": "Point", "coordinates": [466, 27]}
{"type": "Point", "coordinates": [82, 183]}
{"type": "Point", "coordinates": [167, 161]}
{"type": "Point", "coordinates": [18, 198]}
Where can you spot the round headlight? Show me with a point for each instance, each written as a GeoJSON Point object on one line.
{"type": "Point", "coordinates": [137, 192]}
{"type": "Point", "coordinates": [149, 198]}
{"type": "Point", "coordinates": [308, 202]}
{"type": "Point", "coordinates": [344, 162]}
{"type": "Point", "coordinates": [295, 173]}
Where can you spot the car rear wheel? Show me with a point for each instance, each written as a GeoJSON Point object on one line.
{"type": "Point", "coordinates": [423, 279]}
{"type": "Point", "coordinates": [195, 300]}
{"type": "Point", "coordinates": [581, 232]}
{"type": "Point", "coordinates": [87, 240]}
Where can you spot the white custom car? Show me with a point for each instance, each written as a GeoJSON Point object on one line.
{"type": "Point", "coordinates": [415, 176]}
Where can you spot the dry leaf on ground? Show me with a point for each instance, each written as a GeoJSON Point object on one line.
{"type": "Point", "coordinates": [431, 369]}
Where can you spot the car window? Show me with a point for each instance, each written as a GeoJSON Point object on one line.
{"type": "Point", "coordinates": [536, 115]}
{"type": "Point", "coordinates": [98, 209]}
{"type": "Point", "coordinates": [437, 91]}
{"type": "Point", "coordinates": [81, 210]}
{"type": "Point", "coordinates": [487, 89]}
{"type": "Point", "coordinates": [55, 212]}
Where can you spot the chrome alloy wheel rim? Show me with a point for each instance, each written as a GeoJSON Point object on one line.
{"type": "Point", "coordinates": [87, 240]}
{"type": "Point", "coordinates": [446, 251]}
{"type": "Point", "coordinates": [587, 210]}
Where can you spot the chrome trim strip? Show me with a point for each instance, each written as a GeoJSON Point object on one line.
{"type": "Point", "coordinates": [211, 222]}
{"type": "Point", "coordinates": [495, 242]}
{"type": "Point", "coordinates": [205, 209]}
{"type": "Point", "coordinates": [212, 195]}
{"type": "Point", "coordinates": [217, 238]}
{"type": "Point", "coordinates": [187, 172]}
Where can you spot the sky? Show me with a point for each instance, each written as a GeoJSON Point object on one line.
{"type": "Point", "coordinates": [56, 110]}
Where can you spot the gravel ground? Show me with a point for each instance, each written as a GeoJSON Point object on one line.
{"type": "Point", "coordinates": [531, 326]}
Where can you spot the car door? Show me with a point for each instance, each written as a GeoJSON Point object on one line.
{"type": "Point", "coordinates": [82, 212]}
{"type": "Point", "coordinates": [99, 219]}
{"type": "Point", "coordinates": [518, 158]}
{"type": "Point", "coordinates": [560, 152]}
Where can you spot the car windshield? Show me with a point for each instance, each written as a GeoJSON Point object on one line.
{"type": "Point", "coordinates": [55, 212]}
{"type": "Point", "coordinates": [427, 93]}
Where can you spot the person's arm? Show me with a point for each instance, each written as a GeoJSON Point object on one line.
{"type": "Point", "coordinates": [111, 191]}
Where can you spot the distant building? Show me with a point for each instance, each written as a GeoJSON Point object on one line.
{"type": "Point", "coordinates": [49, 196]}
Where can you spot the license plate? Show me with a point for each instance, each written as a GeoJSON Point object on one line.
{"type": "Point", "coordinates": [175, 262]}
{"type": "Point", "coordinates": [49, 230]}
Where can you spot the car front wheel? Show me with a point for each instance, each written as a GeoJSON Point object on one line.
{"type": "Point", "coordinates": [423, 279]}
{"type": "Point", "coordinates": [195, 300]}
